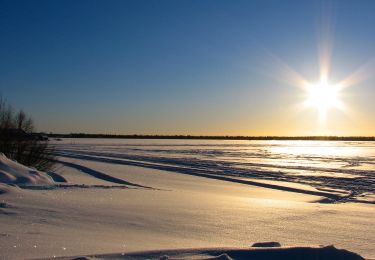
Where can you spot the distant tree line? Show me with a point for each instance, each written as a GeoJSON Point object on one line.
{"type": "Point", "coordinates": [226, 137]}
{"type": "Point", "coordinates": [18, 140]}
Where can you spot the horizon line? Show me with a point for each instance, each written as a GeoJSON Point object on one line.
{"type": "Point", "coordinates": [214, 137]}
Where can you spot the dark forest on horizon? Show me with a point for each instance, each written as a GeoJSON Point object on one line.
{"type": "Point", "coordinates": [220, 137]}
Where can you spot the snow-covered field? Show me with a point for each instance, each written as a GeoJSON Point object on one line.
{"type": "Point", "coordinates": [127, 195]}
{"type": "Point", "coordinates": [344, 167]}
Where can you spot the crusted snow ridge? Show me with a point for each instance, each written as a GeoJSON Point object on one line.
{"type": "Point", "coordinates": [12, 172]}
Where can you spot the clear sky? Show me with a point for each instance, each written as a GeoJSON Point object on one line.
{"type": "Point", "coordinates": [187, 67]}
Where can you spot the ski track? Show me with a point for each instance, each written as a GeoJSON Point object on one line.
{"type": "Point", "coordinates": [331, 172]}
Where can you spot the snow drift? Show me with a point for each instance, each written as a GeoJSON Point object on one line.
{"type": "Point", "coordinates": [12, 172]}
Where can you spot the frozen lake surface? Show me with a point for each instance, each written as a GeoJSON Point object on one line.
{"type": "Point", "coordinates": [334, 166]}
{"type": "Point", "coordinates": [129, 195]}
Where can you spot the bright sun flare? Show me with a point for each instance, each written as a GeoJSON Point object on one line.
{"type": "Point", "coordinates": [323, 96]}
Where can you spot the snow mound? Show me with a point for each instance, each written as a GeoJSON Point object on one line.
{"type": "Point", "coordinates": [280, 253]}
{"type": "Point", "coordinates": [12, 172]}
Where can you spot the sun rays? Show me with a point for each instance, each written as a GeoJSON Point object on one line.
{"type": "Point", "coordinates": [323, 96]}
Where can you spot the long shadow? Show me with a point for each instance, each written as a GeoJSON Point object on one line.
{"type": "Point", "coordinates": [332, 197]}
{"type": "Point", "coordinates": [360, 181]}
{"type": "Point", "coordinates": [74, 186]}
{"type": "Point", "coordinates": [286, 253]}
{"type": "Point", "coordinates": [100, 175]}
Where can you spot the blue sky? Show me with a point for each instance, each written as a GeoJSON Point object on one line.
{"type": "Point", "coordinates": [182, 67]}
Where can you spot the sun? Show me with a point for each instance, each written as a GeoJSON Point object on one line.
{"type": "Point", "coordinates": [323, 96]}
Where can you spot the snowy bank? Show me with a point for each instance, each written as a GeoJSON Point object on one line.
{"type": "Point", "coordinates": [12, 172]}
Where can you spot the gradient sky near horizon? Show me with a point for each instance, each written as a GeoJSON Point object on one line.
{"type": "Point", "coordinates": [185, 67]}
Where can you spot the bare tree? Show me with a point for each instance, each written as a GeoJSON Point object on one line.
{"type": "Point", "coordinates": [18, 141]}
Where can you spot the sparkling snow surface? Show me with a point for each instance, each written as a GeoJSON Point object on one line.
{"type": "Point", "coordinates": [165, 206]}
{"type": "Point", "coordinates": [334, 165]}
